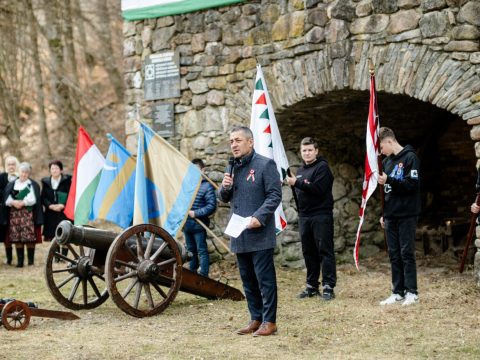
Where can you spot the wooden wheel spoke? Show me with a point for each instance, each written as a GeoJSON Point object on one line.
{"type": "Point", "coordinates": [140, 252]}
{"type": "Point", "coordinates": [159, 289]}
{"type": "Point", "coordinates": [129, 288]}
{"type": "Point", "coordinates": [149, 245]}
{"type": "Point", "coordinates": [61, 256]}
{"type": "Point", "coordinates": [85, 291]}
{"type": "Point", "coordinates": [99, 276]}
{"type": "Point", "coordinates": [160, 276]}
{"type": "Point", "coordinates": [148, 294]}
{"type": "Point", "coordinates": [130, 251]}
{"type": "Point", "coordinates": [82, 250]}
{"type": "Point", "coordinates": [123, 263]}
{"type": "Point", "coordinates": [74, 289]}
{"type": "Point", "coordinates": [65, 281]}
{"type": "Point", "coordinates": [165, 263]}
{"type": "Point", "coordinates": [138, 293]}
{"type": "Point", "coordinates": [126, 276]}
{"type": "Point", "coordinates": [72, 250]}
{"type": "Point", "coordinates": [94, 287]}
{"type": "Point", "coordinates": [159, 250]}
{"type": "Point", "coordinates": [63, 270]}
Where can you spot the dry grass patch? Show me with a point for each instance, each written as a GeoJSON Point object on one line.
{"type": "Point", "coordinates": [445, 324]}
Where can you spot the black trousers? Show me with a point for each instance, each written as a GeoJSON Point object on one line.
{"type": "Point", "coordinates": [401, 250]}
{"type": "Point", "coordinates": [257, 271]}
{"type": "Point", "coordinates": [316, 233]}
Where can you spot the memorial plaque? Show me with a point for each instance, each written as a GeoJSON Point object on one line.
{"type": "Point", "coordinates": [162, 116]}
{"type": "Point", "coordinates": [162, 75]}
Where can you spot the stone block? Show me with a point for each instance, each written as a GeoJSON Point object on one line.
{"type": "Point", "coordinates": [408, 4]}
{"type": "Point", "coordinates": [403, 21]}
{"type": "Point", "coordinates": [384, 6]}
{"type": "Point", "coordinates": [210, 71]}
{"type": "Point", "coordinates": [232, 37]}
{"type": "Point", "coordinates": [165, 21]}
{"type": "Point", "coordinates": [213, 33]}
{"type": "Point", "coordinates": [369, 24]}
{"type": "Point", "coordinates": [226, 69]}
{"type": "Point", "coordinates": [198, 86]}
{"type": "Point", "coordinates": [336, 30]}
{"type": "Point", "coordinates": [297, 24]}
{"type": "Point", "coordinates": [183, 38]}
{"type": "Point", "coordinates": [315, 35]}
{"type": "Point", "coordinates": [146, 36]}
{"type": "Point", "coordinates": [429, 5]}
{"type": "Point", "coordinates": [129, 47]}
{"type": "Point", "coordinates": [311, 3]}
{"type": "Point", "coordinates": [218, 83]}
{"type": "Point", "coordinates": [465, 32]}
{"type": "Point", "coordinates": [246, 64]}
{"type": "Point", "coordinates": [462, 56]}
{"type": "Point", "coordinates": [317, 16]}
{"type": "Point", "coordinates": [270, 13]}
{"type": "Point", "coordinates": [199, 101]}
{"type": "Point", "coordinates": [470, 13]}
{"type": "Point", "coordinates": [198, 43]}
{"type": "Point", "coordinates": [201, 142]}
{"type": "Point", "coordinates": [343, 10]}
{"type": "Point", "coordinates": [462, 45]}
{"type": "Point", "coordinates": [129, 28]}
{"type": "Point", "coordinates": [475, 58]}
{"type": "Point", "coordinates": [215, 97]}
{"type": "Point", "coordinates": [475, 133]}
{"type": "Point", "coordinates": [281, 28]}
{"type": "Point", "coordinates": [161, 38]}
{"type": "Point", "coordinates": [364, 8]}
{"type": "Point", "coordinates": [433, 24]}
{"type": "Point", "coordinates": [204, 60]}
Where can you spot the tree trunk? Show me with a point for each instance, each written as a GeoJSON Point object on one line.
{"type": "Point", "coordinates": [37, 72]}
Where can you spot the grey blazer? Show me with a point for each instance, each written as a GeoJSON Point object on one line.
{"type": "Point", "coordinates": [257, 192]}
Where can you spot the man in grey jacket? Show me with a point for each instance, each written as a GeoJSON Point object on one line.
{"type": "Point", "coordinates": [254, 189]}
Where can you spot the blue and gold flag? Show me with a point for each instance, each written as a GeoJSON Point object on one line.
{"type": "Point", "coordinates": [113, 199]}
{"type": "Point", "coordinates": [166, 183]}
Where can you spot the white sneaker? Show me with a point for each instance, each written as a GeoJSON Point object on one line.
{"type": "Point", "coordinates": [410, 299]}
{"type": "Point", "coordinates": [392, 299]}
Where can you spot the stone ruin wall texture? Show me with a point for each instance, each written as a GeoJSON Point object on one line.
{"type": "Point", "coordinates": [425, 49]}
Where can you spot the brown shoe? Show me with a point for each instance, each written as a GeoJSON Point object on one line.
{"type": "Point", "coordinates": [267, 328]}
{"type": "Point", "coordinates": [250, 328]}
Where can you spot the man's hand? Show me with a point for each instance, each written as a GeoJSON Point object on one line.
{"type": "Point", "coordinates": [382, 223]}
{"type": "Point", "coordinates": [475, 208]}
{"type": "Point", "coordinates": [191, 213]}
{"type": "Point", "coordinates": [227, 181]}
{"type": "Point", "coordinates": [382, 179]}
{"type": "Point", "coordinates": [254, 223]}
{"type": "Point", "coordinates": [291, 180]}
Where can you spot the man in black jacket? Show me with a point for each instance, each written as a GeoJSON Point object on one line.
{"type": "Point", "coordinates": [313, 185]}
{"type": "Point", "coordinates": [401, 182]}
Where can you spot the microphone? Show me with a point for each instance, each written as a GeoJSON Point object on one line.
{"type": "Point", "coordinates": [231, 162]}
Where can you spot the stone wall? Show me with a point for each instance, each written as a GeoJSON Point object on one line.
{"type": "Point", "coordinates": [423, 49]}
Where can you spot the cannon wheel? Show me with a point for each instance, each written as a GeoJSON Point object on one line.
{"type": "Point", "coordinates": [74, 282]}
{"type": "Point", "coordinates": [140, 282]}
{"type": "Point", "coordinates": [15, 315]}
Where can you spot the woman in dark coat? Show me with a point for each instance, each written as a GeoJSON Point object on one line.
{"type": "Point", "coordinates": [25, 216]}
{"type": "Point", "coordinates": [10, 174]}
{"type": "Point", "coordinates": [55, 190]}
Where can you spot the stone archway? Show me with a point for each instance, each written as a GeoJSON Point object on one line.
{"type": "Point", "coordinates": [424, 51]}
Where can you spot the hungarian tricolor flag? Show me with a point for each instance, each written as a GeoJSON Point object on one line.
{"type": "Point", "coordinates": [371, 160]}
{"type": "Point", "coordinates": [267, 136]}
{"type": "Point", "coordinates": [86, 175]}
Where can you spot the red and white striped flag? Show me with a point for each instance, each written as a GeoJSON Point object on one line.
{"type": "Point", "coordinates": [371, 161]}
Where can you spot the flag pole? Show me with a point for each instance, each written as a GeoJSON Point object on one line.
{"type": "Point", "coordinates": [289, 173]}
{"type": "Point", "coordinates": [213, 234]}
{"type": "Point", "coordinates": [371, 69]}
{"type": "Point", "coordinates": [210, 181]}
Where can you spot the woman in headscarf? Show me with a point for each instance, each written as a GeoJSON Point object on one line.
{"type": "Point", "coordinates": [10, 174]}
{"type": "Point", "coordinates": [25, 216]}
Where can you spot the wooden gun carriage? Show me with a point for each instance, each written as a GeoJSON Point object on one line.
{"type": "Point", "coordinates": [140, 268]}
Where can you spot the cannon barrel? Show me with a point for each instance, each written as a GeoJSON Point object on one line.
{"type": "Point", "coordinates": [67, 233]}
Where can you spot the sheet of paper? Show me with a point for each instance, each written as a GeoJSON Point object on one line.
{"type": "Point", "coordinates": [236, 225]}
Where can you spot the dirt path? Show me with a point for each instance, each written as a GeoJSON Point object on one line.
{"type": "Point", "coordinates": [445, 324]}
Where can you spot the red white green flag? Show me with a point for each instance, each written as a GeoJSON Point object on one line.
{"type": "Point", "coordinates": [267, 136]}
{"type": "Point", "coordinates": [86, 175]}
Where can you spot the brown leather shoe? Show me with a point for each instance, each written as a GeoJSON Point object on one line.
{"type": "Point", "coordinates": [250, 328]}
{"type": "Point", "coordinates": [266, 329]}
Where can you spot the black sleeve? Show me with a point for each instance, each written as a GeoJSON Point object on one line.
{"type": "Point", "coordinates": [320, 184]}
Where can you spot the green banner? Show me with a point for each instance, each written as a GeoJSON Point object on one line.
{"type": "Point", "coordinates": [143, 10]}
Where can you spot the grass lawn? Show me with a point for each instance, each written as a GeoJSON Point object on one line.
{"type": "Point", "coordinates": [444, 325]}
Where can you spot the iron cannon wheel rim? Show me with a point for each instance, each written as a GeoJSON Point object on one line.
{"type": "Point", "coordinates": [67, 286]}
{"type": "Point", "coordinates": [155, 296]}
{"type": "Point", "coordinates": [15, 315]}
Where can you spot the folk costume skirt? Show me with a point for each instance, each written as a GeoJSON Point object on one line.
{"type": "Point", "coordinates": [21, 227]}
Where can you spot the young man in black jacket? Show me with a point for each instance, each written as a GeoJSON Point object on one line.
{"type": "Point", "coordinates": [313, 185]}
{"type": "Point", "coordinates": [401, 182]}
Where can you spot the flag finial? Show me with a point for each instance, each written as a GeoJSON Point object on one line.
{"type": "Point", "coordinates": [371, 67]}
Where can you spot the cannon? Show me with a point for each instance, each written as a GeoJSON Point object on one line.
{"type": "Point", "coordinates": [141, 269]}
